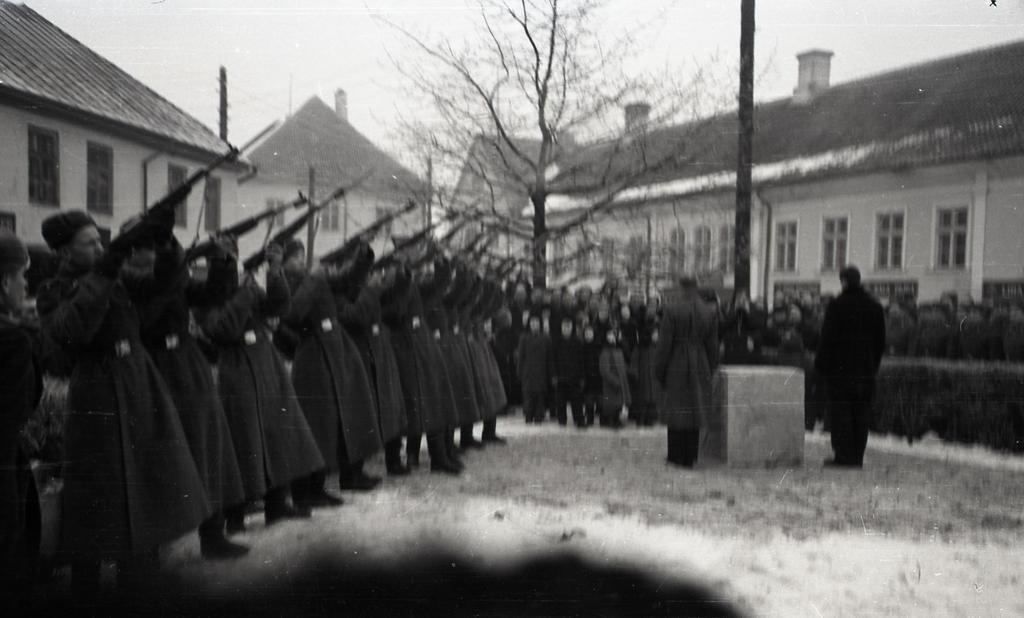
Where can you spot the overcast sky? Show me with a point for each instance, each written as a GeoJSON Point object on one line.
{"type": "Point", "coordinates": [176, 46]}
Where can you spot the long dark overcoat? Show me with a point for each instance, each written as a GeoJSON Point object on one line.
{"type": "Point", "coordinates": [443, 317]}
{"type": "Point", "coordinates": [417, 369]}
{"type": "Point", "coordinates": [21, 377]}
{"type": "Point", "coordinates": [686, 357]}
{"type": "Point", "coordinates": [429, 294]}
{"type": "Point", "coordinates": [130, 482]}
{"type": "Point", "coordinates": [329, 375]}
{"type": "Point", "coordinates": [272, 439]}
{"type": "Point", "coordinates": [388, 383]}
{"type": "Point", "coordinates": [170, 343]}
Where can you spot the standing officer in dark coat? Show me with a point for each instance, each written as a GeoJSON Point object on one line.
{"type": "Point", "coordinates": [849, 353]}
{"type": "Point", "coordinates": [684, 363]}
{"type": "Point", "coordinates": [21, 387]}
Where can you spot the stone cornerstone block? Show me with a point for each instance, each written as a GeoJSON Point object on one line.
{"type": "Point", "coordinates": [757, 419]}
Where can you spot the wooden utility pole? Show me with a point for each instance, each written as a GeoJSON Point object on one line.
{"type": "Point", "coordinates": [311, 229]}
{"type": "Point", "coordinates": [650, 260]}
{"type": "Point", "coordinates": [223, 109]}
{"type": "Point", "coordinates": [745, 150]}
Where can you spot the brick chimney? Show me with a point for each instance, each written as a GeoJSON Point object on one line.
{"type": "Point", "coordinates": [636, 116]}
{"type": "Point", "coordinates": [341, 104]}
{"type": "Point", "coordinates": [814, 68]}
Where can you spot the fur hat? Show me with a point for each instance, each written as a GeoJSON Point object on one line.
{"type": "Point", "coordinates": [59, 229]}
{"type": "Point", "coordinates": [13, 254]}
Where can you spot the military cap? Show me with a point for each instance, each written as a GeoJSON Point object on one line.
{"type": "Point", "coordinates": [13, 254]}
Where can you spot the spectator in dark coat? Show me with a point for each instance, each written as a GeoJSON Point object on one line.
{"type": "Point", "coordinates": [534, 366]}
{"type": "Point", "coordinates": [849, 353]}
{"type": "Point", "coordinates": [21, 379]}
{"type": "Point", "coordinates": [591, 355]}
{"type": "Point", "coordinates": [615, 393]}
{"type": "Point", "coordinates": [568, 366]}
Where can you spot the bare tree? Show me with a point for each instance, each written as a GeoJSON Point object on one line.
{"type": "Point", "coordinates": [507, 105]}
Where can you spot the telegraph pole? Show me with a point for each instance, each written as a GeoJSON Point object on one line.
{"type": "Point", "coordinates": [311, 229]}
{"type": "Point", "coordinates": [223, 110]}
{"type": "Point", "coordinates": [745, 149]}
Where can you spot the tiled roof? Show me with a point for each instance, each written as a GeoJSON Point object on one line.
{"type": "Point", "coordinates": [42, 64]}
{"type": "Point", "coordinates": [961, 108]}
{"type": "Point", "coordinates": [316, 136]}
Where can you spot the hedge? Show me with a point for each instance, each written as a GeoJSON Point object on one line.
{"type": "Point", "coordinates": [970, 402]}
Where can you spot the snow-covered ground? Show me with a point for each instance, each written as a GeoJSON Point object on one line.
{"type": "Point", "coordinates": [926, 529]}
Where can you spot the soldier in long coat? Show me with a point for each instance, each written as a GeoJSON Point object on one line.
{"type": "Point", "coordinates": [130, 482]}
{"type": "Point", "coordinates": [480, 349]}
{"type": "Point", "coordinates": [421, 380]}
{"type": "Point", "coordinates": [21, 379]}
{"type": "Point", "coordinates": [432, 284]}
{"type": "Point", "coordinates": [445, 316]}
{"type": "Point", "coordinates": [168, 337]}
{"type": "Point", "coordinates": [272, 439]}
{"type": "Point", "coordinates": [330, 378]}
{"type": "Point", "coordinates": [684, 362]}
{"type": "Point", "coordinates": [642, 365]}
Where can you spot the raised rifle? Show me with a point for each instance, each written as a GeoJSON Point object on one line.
{"type": "Point", "coordinates": [256, 260]}
{"type": "Point", "coordinates": [163, 211]}
{"type": "Point", "coordinates": [412, 241]}
{"type": "Point", "coordinates": [346, 250]}
{"type": "Point", "coordinates": [242, 227]}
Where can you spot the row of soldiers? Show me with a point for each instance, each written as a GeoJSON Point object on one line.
{"type": "Point", "coordinates": [158, 443]}
{"type": "Point", "coordinates": [969, 331]}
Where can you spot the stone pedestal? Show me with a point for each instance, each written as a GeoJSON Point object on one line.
{"type": "Point", "coordinates": [757, 419]}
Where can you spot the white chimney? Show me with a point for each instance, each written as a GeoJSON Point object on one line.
{"type": "Point", "coordinates": [815, 66]}
{"type": "Point", "coordinates": [636, 116]}
{"type": "Point", "coordinates": [341, 104]}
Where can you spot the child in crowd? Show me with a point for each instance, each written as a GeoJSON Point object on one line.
{"type": "Point", "coordinates": [568, 378]}
{"type": "Point", "coordinates": [592, 384]}
{"type": "Point", "coordinates": [615, 386]}
{"type": "Point", "coordinates": [534, 366]}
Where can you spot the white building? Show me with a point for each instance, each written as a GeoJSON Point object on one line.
{"type": "Point", "coordinates": [77, 132]}
{"type": "Point", "coordinates": [321, 138]}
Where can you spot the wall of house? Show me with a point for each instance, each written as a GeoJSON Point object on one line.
{"type": "Point", "coordinates": [993, 193]}
{"type": "Point", "coordinates": [353, 213]}
{"type": "Point", "coordinates": [127, 193]}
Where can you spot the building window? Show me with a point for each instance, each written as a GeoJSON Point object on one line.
{"type": "Point", "coordinates": [212, 200]}
{"type": "Point", "coordinates": [677, 251]}
{"type": "Point", "coordinates": [43, 167]}
{"type": "Point", "coordinates": [785, 247]}
{"type": "Point", "coordinates": [833, 250]}
{"type": "Point", "coordinates": [8, 222]}
{"type": "Point", "coordinates": [99, 185]}
{"type": "Point", "coordinates": [636, 256]}
{"type": "Point", "coordinates": [608, 256]}
{"type": "Point", "coordinates": [951, 238]}
{"type": "Point", "coordinates": [331, 216]}
{"type": "Point", "coordinates": [176, 176]}
{"type": "Point", "coordinates": [584, 252]}
{"type": "Point", "coordinates": [889, 241]}
{"type": "Point", "coordinates": [702, 249]}
{"type": "Point", "coordinates": [556, 263]}
{"type": "Point", "coordinates": [727, 248]}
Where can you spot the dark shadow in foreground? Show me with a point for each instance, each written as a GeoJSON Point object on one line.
{"type": "Point", "coordinates": [441, 584]}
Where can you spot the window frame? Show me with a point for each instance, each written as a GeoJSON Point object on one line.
{"type": "Point", "coordinates": [35, 200]}
{"type": "Point", "coordinates": [795, 222]}
{"type": "Point", "coordinates": [108, 208]}
{"type": "Point", "coordinates": [876, 237]}
{"type": "Point", "coordinates": [181, 212]}
{"type": "Point", "coordinates": [212, 224]}
{"type": "Point", "coordinates": [9, 216]}
{"type": "Point", "coordinates": [699, 248]}
{"type": "Point", "coordinates": [677, 250]}
{"type": "Point", "coordinates": [937, 211]}
{"type": "Point", "coordinates": [727, 265]}
{"type": "Point", "coordinates": [825, 218]}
